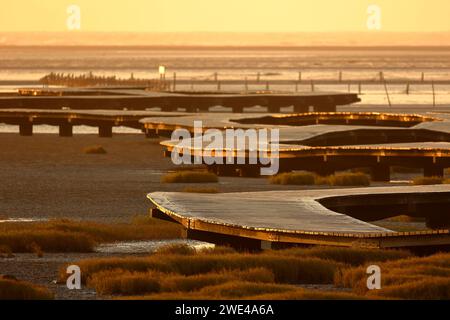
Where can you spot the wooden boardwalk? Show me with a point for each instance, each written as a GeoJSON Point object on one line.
{"type": "Point", "coordinates": [173, 101]}
{"type": "Point", "coordinates": [277, 218]}
{"type": "Point", "coordinates": [105, 120]}
{"type": "Point", "coordinates": [384, 141]}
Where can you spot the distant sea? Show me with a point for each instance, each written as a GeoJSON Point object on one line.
{"type": "Point", "coordinates": [31, 63]}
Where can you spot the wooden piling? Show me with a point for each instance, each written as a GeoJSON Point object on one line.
{"type": "Point", "coordinates": [434, 94]}
{"type": "Point", "coordinates": [174, 85]}
{"type": "Point", "coordinates": [387, 93]}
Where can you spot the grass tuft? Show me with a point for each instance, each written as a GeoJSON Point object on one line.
{"type": "Point", "coordinates": [293, 178]}
{"type": "Point", "coordinates": [189, 177]}
{"type": "Point", "coordinates": [94, 150]}
{"type": "Point", "coordinates": [411, 278]}
{"type": "Point", "coordinates": [430, 180]}
{"type": "Point", "coordinates": [80, 236]}
{"type": "Point", "coordinates": [307, 178]}
{"type": "Point", "coordinates": [11, 289]}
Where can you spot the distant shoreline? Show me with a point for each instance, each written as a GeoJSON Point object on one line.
{"type": "Point", "coordinates": [236, 47]}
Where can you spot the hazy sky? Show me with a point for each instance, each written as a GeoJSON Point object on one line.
{"type": "Point", "coordinates": [227, 15]}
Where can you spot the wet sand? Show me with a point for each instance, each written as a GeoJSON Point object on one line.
{"type": "Point", "coordinates": [46, 176]}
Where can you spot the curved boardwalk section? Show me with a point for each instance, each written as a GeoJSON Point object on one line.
{"type": "Point", "coordinates": [279, 218]}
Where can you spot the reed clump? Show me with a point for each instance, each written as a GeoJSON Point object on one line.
{"type": "Point", "coordinates": [307, 178]}
{"type": "Point", "coordinates": [120, 282]}
{"type": "Point", "coordinates": [348, 256]}
{"type": "Point", "coordinates": [286, 269]}
{"type": "Point", "coordinates": [221, 273]}
{"type": "Point", "coordinates": [12, 289]}
{"type": "Point", "coordinates": [430, 180]}
{"type": "Point", "coordinates": [411, 278]}
{"type": "Point", "coordinates": [293, 178]}
{"type": "Point", "coordinates": [80, 236]}
{"type": "Point", "coordinates": [190, 177]}
{"type": "Point", "coordinates": [97, 149]}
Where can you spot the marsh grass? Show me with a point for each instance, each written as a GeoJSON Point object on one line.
{"type": "Point", "coordinates": [430, 180]}
{"type": "Point", "coordinates": [307, 178]}
{"type": "Point", "coordinates": [243, 289]}
{"type": "Point", "coordinates": [120, 282]}
{"type": "Point", "coordinates": [348, 256]}
{"type": "Point", "coordinates": [80, 236]}
{"type": "Point", "coordinates": [293, 178]}
{"type": "Point", "coordinates": [286, 269]}
{"type": "Point", "coordinates": [221, 273]}
{"type": "Point", "coordinates": [348, 179]}
{"type": "Point", "coordinates": [189, 177]}
{"type": "Point", "coordinates": [411, 278]}
{"type": "Point", "coordinates": [11, 289]}
{"type": "Point", "coordinates": [97, 149]}
{"type": "Point", "coordinates": [179, 248]}
{"type": "Point", "coordinates": [6, 252]}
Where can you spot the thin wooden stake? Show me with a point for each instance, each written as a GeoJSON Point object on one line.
{"type": "Point", "coordinates": [174, 81]}
{"type": "Point", "coordinates": [434, 94]}
{"type": "Point", "coordinates": [387, 94]}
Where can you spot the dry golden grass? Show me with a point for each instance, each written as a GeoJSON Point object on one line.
{"type": "Point", "coordinates": [11, 289]}
{"type": "Point", "coordinates": [348, 256]}
{"type": "Point", "coordinates": [429, 288]}
{"type": "Point", "coordinates": [405, 218]}
{"type": "Point", "coordinates": [189, 177]}
{"type": "Point", "coordinates": [286, 269]}
{"type": "Point", "coordinates": [293, 178]}
{"type": "Point", "coordinates": [243, 289]}
{"type": "Point", "coordinates": [427, 180]}
{"type": "Point", "coordinates": [303, 294]}
{"type": "Point", "coordinates": [97, 149]}
{"type": "Point", "coordinates": [221, 273]}
{"type": "Point", "coordinates": [120, 282]}
{"type": "Point", "coordinates": [45, 240]}
{"type": "Point", "coordinates": [348, 179]}
{"type": "Point", "coordinates": [6, 252]}
{"type": "Point", "coordinates": [307, 178]}
{"type": "Point", "coordinates": [251, 291]}
{"type": "Point", "coordinates": [412, 278]}
{"type": "Point", "coordinates": [80, 236]}
{"type": "Point", "coordinates": [180, 248]}
{"type": "Point", "coordinates": [200, 190]}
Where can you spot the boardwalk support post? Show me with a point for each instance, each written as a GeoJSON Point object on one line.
{"type": "Point", "coordinates": [151, 133]}
{"type": "Point", "coordinates": [433, 170]}
{"type": "Point", "coordinates": [105, 131]}
{"type": "Point", "coordinates": [26, 128]}
{"type": "Point", "coordinates": [65, 129]}
{"type": "Point", "coordinates": [380, 172]}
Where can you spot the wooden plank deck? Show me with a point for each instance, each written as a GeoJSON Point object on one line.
{"type": "Point", "coordinates": [171, 101]}
{"type": "Point", "coordinates": [294, 217]}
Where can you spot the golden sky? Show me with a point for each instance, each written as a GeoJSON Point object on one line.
{"type": "Point", "coordinates": [226, 15]}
